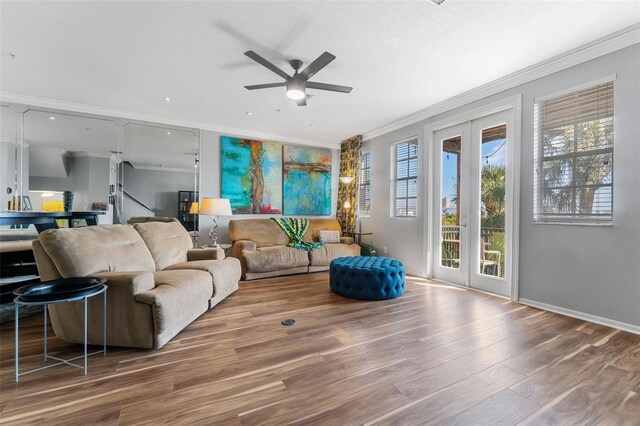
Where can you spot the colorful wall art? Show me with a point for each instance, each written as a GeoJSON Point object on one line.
{"type": "Point", "coordinates": [307, 181]}
{"type": "Point", "coordinates": [251, 175]}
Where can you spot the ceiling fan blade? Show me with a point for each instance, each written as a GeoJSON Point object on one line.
{"type": "Point", "coordinates": [302, 102]}
{"type": "Point", "coordinates": [265, 86]}
{"type": "Point", "coordinates": [329, 87]}
{"type": "Point", "coordinates": [315, 66]}
{"type": "Point", "coordinates": [262, 61]}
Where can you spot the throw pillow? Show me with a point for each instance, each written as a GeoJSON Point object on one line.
{"type": "Point", "coordinates": [330, 237]}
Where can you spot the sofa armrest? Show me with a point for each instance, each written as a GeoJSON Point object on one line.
{"type": "Point", "coordinates": [346, 240]}
{"type": "Point", "coordinates": [209, 253]}
{"type": "Point", "coordinates": [240, 245]}
{"type": "Point", "coordinates": [130, 283]}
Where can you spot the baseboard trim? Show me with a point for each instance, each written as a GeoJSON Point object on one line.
{"type": "Point", "coordinates": [635, 329]}
{"type": "Point", "coordinates": [413, 273]}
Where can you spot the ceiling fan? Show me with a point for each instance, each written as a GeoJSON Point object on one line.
{"type": "Point", "coordinates": [297, 83]}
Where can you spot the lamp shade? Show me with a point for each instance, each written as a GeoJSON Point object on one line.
{"type": "Point", "coordinates": [346, 179]}
{"type": "Point", "coordinates": [194, 208]}
{"type": "Point", "coordinates": [215, 207]}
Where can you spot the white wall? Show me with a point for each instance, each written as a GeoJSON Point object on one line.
{"type": "Point", "coordinates": [592, 270]}
{"type": "Point", "coordinates": [210, 183]}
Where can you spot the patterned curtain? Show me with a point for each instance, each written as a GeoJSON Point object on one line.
{"type": "Point", "coordinates": [350, 155]}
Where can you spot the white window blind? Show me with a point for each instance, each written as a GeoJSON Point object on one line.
{"type": "Point", "coordinates": [405, 179]}
{"type": "Point", "coordinates": [574, 156]}
{"type": "Point", "coordinates": [364, 185]}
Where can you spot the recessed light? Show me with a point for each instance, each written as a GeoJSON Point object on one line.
{"type": "Point", "coordinates": [248, 113]}
{"type": "Point", "coordinates": [312, 125]}
{"type": "Point", "coordinates": [167, 99]}
{"type": "Point", "coordinates": [168, 133]}
{"type": "Point", "coordinates": [277, 110]}
{"type": "Point", "coordinates": [52, 118]}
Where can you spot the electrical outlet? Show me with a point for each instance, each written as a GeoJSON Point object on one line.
{"type": "Point", "coordinates": [384, 250]}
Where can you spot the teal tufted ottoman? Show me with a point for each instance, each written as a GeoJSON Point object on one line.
{"type": "Point", "coordinates": [367, 278]}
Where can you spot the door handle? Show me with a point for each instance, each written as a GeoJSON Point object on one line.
{"type": "Point", "coordinates": [463, 225]}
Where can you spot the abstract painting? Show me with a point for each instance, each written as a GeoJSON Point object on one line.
{"type": "Point", "coordinates": [307, 181]}
{"type": "Point", "coordinates": [251, 175]}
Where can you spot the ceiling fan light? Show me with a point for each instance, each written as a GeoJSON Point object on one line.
{"type": "Point", "coordinates": [295, 89]}
{"type": "Point", "coordinates": [295, 94]}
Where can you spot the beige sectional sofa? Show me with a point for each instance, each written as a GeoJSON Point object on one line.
{"type": "Point", "coordinates": [261, 247]}
{"type": "Point", "coordinates": [157, 283]}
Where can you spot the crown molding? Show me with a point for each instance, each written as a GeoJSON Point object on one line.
{"type": "Point", "coordinates": [610, 43]}
{"type": "Point", "coordinates": [35, 101]}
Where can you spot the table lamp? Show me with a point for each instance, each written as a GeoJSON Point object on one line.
{"type": "Point", "coordinates": [194, 208]}
{"type": "Point", "coordinates": [215, 207]}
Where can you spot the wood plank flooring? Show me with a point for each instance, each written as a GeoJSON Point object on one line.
{"type": "Point", "coordinates": [437, 355]}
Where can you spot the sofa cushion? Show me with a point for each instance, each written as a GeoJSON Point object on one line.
{"type": "Point", "coordinates": [322, 256]}
{"type": "Point", "coordinates": [177, 295]}
{"type": "Point", "coordinates": [168, 242]}
{"type": "Point", "coordinates": [264, 232]}
{"type": "Point", "coordinates": [224, 272]}
{"type": "Point", "coordinates": [78, 252]}
{"type": "Point", "coordinates": [278, 258]}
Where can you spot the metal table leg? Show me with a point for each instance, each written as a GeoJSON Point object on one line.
{"type": "Point", "coordinates": [17, 326]}
{"type": "Point", "coordinates": [45, 332]}
{"type": "Point", "coordinates": [85, 336]}
{"type": "Point", "coordinates": [104, 324]}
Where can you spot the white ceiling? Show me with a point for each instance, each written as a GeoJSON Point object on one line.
{"type": "Point", "coordinates": [400, 57]}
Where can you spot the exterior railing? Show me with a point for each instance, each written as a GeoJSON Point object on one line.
{"type": "Point", "coordinates": [491, 239]}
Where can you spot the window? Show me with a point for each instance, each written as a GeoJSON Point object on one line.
{"type": "Point", "coordinates": [574, 156]}
{"type": "Point", "coordinates": [364, 185]}
{"type": "Point", "coordinates": [404, 179]}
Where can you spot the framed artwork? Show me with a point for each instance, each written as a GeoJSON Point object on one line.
{"type": "Point", "coordinates": [251, 175]}
{"type": "Point", "coordinates": [307, 181]}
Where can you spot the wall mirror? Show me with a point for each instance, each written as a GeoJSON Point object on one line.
{"type": "Point", "coordinates": [125, 168]}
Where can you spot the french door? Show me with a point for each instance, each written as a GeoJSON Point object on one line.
{"type": "Point", "coordinates": [472, 204]}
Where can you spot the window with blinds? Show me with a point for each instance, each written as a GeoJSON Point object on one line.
{"type": "Point", "coordinates": [364, 185]}
{"type": "Point", "coordinates": [574, 156]}
{"type": "Point", "coordinates": [405, 179]}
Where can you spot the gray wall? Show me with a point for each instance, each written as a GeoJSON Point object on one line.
{"type": "Point", "coordinates": [88, 178]}
{"type": "Point", "coordinates": [210, 183]}
{"type": "Point", "coordinates": [157, 189]}
{"type": "Point", "coordinates": [589, 269]}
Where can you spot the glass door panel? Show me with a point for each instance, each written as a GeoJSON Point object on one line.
{"type": "Point", "coordinates": [449, 227]}
{"type": "Point", "coordinates": [493, 185]}
{"type": "Point", "coordinates": [490, 205]}
{"type": "Point", "coordinates": [451, 201]}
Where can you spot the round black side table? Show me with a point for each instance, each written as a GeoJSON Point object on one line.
{"type": "Point", "coordinates": [60, 291]}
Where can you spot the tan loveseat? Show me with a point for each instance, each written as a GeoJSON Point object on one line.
{"type": "Point", "coordinates": [157, 283]}
{"type": "Point", "coordinates": [261, 246]}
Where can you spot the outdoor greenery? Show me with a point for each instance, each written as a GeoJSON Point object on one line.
{"type": "Point", "coordinates": [572, 182]}
{"type": "Point", "coordinates": [493, 190]}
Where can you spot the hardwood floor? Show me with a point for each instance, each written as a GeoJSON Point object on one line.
{"type": "Point", "coordinates": [436, 355]}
